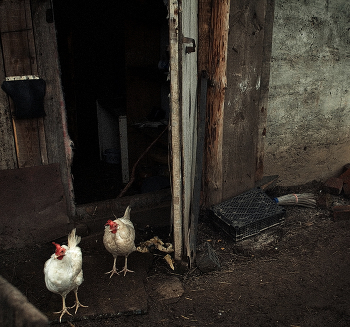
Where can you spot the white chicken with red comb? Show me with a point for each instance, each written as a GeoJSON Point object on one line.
{"type": "Point", "coordinates": [119, 240]}
{"type": "Point", "coordinates": [64, 273]}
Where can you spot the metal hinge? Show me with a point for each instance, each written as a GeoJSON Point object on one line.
{"type": "Point", "coordinates": [189, 40]}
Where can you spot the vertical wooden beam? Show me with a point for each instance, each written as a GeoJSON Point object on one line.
{"type": "Point", "coordinates": [189, 110]}
{"type": "Point", "coordinates": [219, 29]}
{"type": "Point", "coordinates": [175, 129]}
{"type": "Point", "coordinates": [195, 208]}
{"type": "Point", "coordinates": [204, 27]}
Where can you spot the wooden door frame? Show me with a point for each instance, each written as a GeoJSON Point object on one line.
{"type": "Point", "coordinates": [183, 118]}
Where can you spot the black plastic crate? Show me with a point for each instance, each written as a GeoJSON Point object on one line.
{"type": "Point", "coordinates": [247, 214]}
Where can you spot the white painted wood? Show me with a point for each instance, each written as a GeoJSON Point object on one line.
{"type": "Point", "coordinates": [189, 29]}
{"type": "Point", "coordinates": [183, 106]}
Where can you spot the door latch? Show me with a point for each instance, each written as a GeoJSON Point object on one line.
{"type": "Point", "coordinates": [189, 40]}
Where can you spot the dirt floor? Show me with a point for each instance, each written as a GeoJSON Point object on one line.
{"type": "Point", "coordinates": [295, 274]}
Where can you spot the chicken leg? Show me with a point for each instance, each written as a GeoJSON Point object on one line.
{"type": "Point", "coordinates": [77, 303]}
{"type": "Point", "coordinates": [125, 269]}
{"type": "Point", "coordinates": [64, 308]}
{"type": "Point", "coordinates": [114, 269]}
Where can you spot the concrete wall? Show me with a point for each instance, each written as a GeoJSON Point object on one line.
{"type": "Point", "coordinates": [308, 123]}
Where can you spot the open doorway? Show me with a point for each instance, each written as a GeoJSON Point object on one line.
{"type": "Point", "coordinates": [114, 62]}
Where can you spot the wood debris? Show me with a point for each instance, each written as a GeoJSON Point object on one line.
{"type": "Point", "coordinates": [170, 261]}
{"type": "Point", "coordinates": [155, 243]}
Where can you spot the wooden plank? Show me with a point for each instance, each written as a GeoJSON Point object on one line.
{"type": "Point", "coordinates": [20, 59]}
{"type": "Point", "coordinates": [204, 24]}
{"type": "Point", "coordinates": [27, 142]}
{"type": "Point", "coordinates": [195, 208]}
{"type": "Point", "coordinates": [214, 179]}
{"type": "Point", "coordinates": [188, 100]}
{"type": "Point", "coordinates": [17, 38]}
{"type": "Point", "coordinates": [14, 16]}
{"type": "Point", "coordinates": [235, 135]}
{"type": "Point", "coordinates": [204, 27]}
{"type": "Point", "coordinates": [18, 56]}
{"type": "Point", "coordinates": [59, 145]}
{"type": "Point", "coordinates": [8, 159]}
{"type": "Point", "coordinates": [242, 112]}
{"type": "Point", "coordinates": [264, 88]}
{"type": "Point", "coordinates": [175, 130]}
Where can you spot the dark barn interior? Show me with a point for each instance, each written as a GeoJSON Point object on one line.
{"type": "Point", "coordinates": [114, 62]}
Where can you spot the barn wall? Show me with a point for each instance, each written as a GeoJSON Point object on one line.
{"type": "Point", "coordinates": [238, 35]}
{"type": "Point", "coordinates": [249, 45]}
{"type": "Point", "coordinates": [28, 47]}
{"type": "Point", "coordinates": [308, 117]}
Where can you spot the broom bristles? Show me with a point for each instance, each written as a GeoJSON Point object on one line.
{"type": "Point", "coordinates": [304, 200]}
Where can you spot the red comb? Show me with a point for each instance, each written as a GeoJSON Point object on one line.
{"type": "Point", "coordinates": [58, 247]}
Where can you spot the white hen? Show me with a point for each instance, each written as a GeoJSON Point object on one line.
{"type": "Point", "coordinates": [63, 271]}
{"type": "Point", "coordinates": [119, 240]}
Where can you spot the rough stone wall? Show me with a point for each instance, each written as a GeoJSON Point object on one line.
{"type": "Point", "coordinates": [308, 123]}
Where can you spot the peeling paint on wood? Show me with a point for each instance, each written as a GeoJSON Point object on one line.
{"type": "Point", "coordinates": [183, 104]}
{"type": "Point", "coordinates": [189, 80]}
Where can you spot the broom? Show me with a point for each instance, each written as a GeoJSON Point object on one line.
{"type": "Point", "coordinates": [304, 200]}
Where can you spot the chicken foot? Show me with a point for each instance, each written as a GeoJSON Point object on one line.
{"type": "Point", "coordinates": [77, 302]}
{"type": "Point", "coordinates": [64, 308]}
{"type": "Point", "coordinates": [114, 269]}
{"type": "Point", "coordinates": [125, 269]}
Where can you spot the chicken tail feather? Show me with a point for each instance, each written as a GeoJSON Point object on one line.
{"type": "Point", "coordinates": [127, 213]}
{"type": "Point", "coordinates": [73, 239]}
